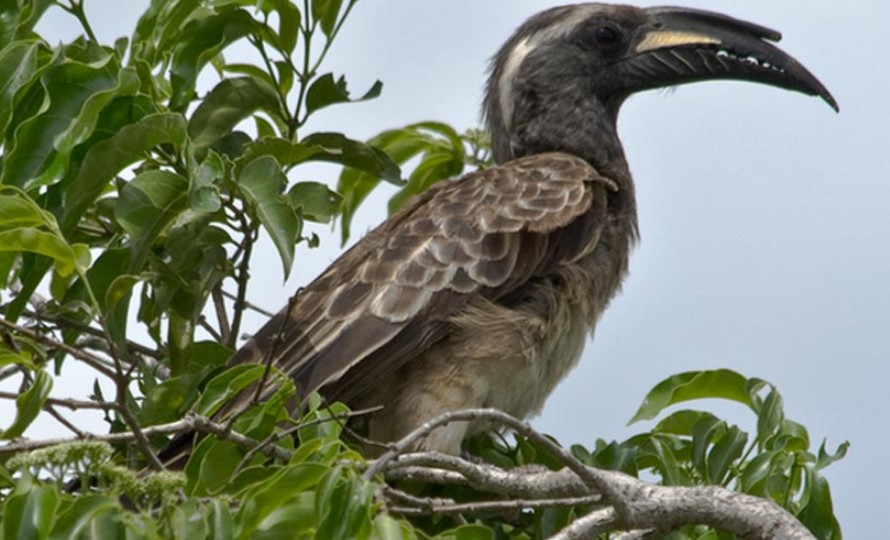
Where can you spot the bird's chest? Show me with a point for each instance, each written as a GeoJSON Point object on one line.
{"type": "Point", "coordinates": [564, 308]}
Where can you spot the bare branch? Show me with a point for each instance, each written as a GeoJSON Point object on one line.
{"type": "Point", "coordinates": [634, 504]}
{"type": "Point", "coordinates": [72, 404]}
{"type": "Point", "coordinates": [86, 358]}
{"type": "Point", "coordinates": [188, 424]}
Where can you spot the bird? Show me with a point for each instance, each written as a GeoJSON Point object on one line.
{"type": "Point", "coordinates": [482, 291]}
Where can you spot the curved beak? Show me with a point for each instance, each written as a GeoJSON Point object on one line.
{"type": "Point", "coordinates": [682, 45]}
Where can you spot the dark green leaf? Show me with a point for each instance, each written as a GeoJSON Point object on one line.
{"type": "Point", "coordinates": [168, 401]}
{"type": "Point", "coordinates": [218, 465]}
{"type": "Point", "coordinates": [29, 404]}
{"type": "Point", "coordinates": [148, 204]}
{"type": "Point", "coordinates": [315, 201]}
{"type": "Point", "coordinates": [261, 182]}
{"type": "Point", "coordinates": [50, 245]}
{"type": "Point", "coordinates": [818, 514]}
{"type": "Point", "coordinates": [755, 473]}
{"type": "Point", "coordinates": [264, 499]}
{"type": "Point", "coordinates": [17, 19]}
{"type": "Point", "coordinates": [109, 157]}
{"type": "Point", "coordinates": [825, 459]}
{"type": "Point", "coordinates": [720, 383]}
{"type": "Point", "coordinates": [704, 432]}
{"type": "Point", "coordinates": [74, 94]}
{"type": "Point", "coordinates": [30, 515]}
{"type": "Point", "coordinates": [201, 40]}
{"type": "Point", "coordinates": [221, 524]}
{"type": "Point", "coordinates": [326, 91]}
{"type": "Point", "coordinates": [225, 385]}
{"type": "Point", "coordinates": [23, 359]}
{"type": "Point", "coordinates": [289, 19]}
{"type": "Point", "coordinates": [401, 145]}
{"type": "Point", "coordinates": [19, 65]}
{"type": "Point", "coordinates": [770, 415]}
{"type": "Point", "coordinates": [78, 520]}
{"type": "Point", "coordinates": [325, 13]}
{"type": "Point", "coordinates": [338, 148]}
{"type": "Point", "coordinates": [728, 448]}
{"type": "Point", "coordinates": [230, 102]}
{"type": "Point", "coordinates": [682, 422]}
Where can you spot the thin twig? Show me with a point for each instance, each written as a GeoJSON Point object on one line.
{"type": "Point", "coordinates": [243, 276]}
{"type": "Point", "coordinates": [72, 404]}
{"type": "Point", "coordinates": [187, 424]}
{"type": "Point", "coordinates": [222, 318]}
{"type": "Point", "coordinates": [248, 305]}
{"type": "Point", "coordinates": [62, 420]}
{"type": "Point", "coordinates": [86, 358]}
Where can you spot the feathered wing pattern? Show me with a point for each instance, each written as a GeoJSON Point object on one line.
{"type": "Point", "coordinates": [391, 295]}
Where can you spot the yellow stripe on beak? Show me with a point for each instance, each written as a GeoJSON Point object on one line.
{"type": "Point", "coordinates": [660, 39]}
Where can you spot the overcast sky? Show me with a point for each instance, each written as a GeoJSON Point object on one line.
{"type": "Point", "coordinates": [763, 217]}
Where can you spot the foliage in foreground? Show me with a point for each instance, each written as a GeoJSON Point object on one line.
{"type": "Point", "coordinates": [122, 190]}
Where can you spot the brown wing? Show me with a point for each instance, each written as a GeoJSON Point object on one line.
{"type": "Point", "coordinates": [390, 296]}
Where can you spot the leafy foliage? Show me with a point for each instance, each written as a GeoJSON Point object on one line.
{"type": "Point", "coordinates": [124, 188]}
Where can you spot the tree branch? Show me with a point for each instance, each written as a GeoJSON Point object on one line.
{"type": "Point", "coordinates": [633, 504]}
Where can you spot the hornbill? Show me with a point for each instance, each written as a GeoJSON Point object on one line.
{"type": "Point", "coordinates": [481, 292]}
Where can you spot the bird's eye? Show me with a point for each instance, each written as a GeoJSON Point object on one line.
{"type": "Point", "coordinates": [607, 36]}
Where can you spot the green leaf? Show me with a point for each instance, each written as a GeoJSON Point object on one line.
{"type": "Point", "coordinates": [315, 201]}
{"type": "Point", "coordinates": [682, 422]}
{"type": "Point", "coordinates": [728, 448]}
{"type": "Point", "coordinates": [326, 12]}
{"type": "Point", "coordinates": [704, 432]}
{"type": "Point", "coordinates": [217, 467]}
{"type": "Point", "coordinates": [337, 148]}
{"type": "Point", "coordinates": [20, 63]}
{"type": "Point", "coordinates": [288, 24]}
{"type": "Point", "coordinates": [17, 19]}
{"type": "Point", "coordinates": [691, 385]}
{"type": "Point", "coordinates": [29, 404]}
{"type": "Point", "coordinates": [825, 459]}
{"type": "Point", "coordinates": [23, 359]}
{"type": "Point", "coordinates": [230, 102]}
{"type": "Point", "coordinates": [33, 240]}
{"type": "Point", "coordinates": [326, 91]}
{"type": "Point", "coordinates": [119, 291]}
{"type": "Point", "coordinates": [73, 95]}
{"type": "Point", "coordinates": [168, 401]}
{"type": "Point", "coordinates": [225, 385]}
{"type": "Point", "coordinates": [755, 473]}
{"type": "Point", "coordinates": [30, 515]}
{"type": "Point", "coordinates": [79, 519]}
{"type": "Point", "coordinates": [261, 503]}
{"type": "Point", "coordinates": [770, 415]}
{"type": "Point", "coordinates": [201, 40]}
{"type": "Point", "coordinates": [818, 514]}
{"type": "Point", "coordinates": [147, 206]}
{"type": "Point", "coordinates": [221, 523]}
{"type": "Point", "coordinates": [107, 158]}
{"type": "Point", "coordinates": [658, 451]}
{"type": "Point", "coordinates": [261, 183]}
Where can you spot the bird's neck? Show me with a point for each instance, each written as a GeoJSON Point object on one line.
{"type": "Point", "coordinates": [582, 126]}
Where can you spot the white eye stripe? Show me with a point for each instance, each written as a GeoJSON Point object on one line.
{"type": "Point", "coordinates": [525, 46]}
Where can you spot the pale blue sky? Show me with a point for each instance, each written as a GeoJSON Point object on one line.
{"type": "Point", "coordinates": [763, 217]}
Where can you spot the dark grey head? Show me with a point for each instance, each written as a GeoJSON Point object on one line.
{"type": "Point", "coordinates": [558, 82]}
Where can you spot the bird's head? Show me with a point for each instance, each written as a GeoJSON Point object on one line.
{"type": "Point", "coordinates": [564, 74]}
